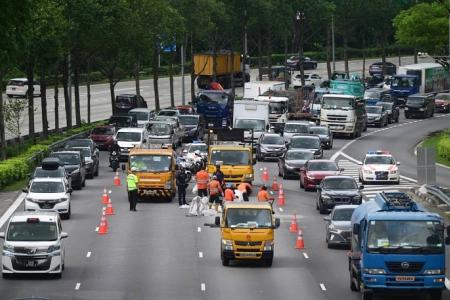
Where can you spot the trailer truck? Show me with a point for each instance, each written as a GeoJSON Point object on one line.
{"type": "Point", "coordinates": [397, 246]}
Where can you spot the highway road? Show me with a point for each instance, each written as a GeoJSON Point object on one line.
{"type": "Point", "coordinates": [159, 252]}
{"type": "Point", "coordinates": [101, 101]}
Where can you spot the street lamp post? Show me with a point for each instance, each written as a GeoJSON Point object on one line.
{"type": "Point", "coordinates": [300, 18]}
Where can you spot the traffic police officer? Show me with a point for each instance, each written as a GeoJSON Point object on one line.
{"type": "Point", "coordinates": [132, 181]}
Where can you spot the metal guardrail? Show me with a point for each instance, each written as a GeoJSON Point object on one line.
{"type": "Point", "coordinates": [442, 193]}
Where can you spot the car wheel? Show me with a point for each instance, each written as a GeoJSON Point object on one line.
{"type": "Point", "coordinates": [268, 262]}
{"type": "Point", "coordinates": [406, 116]}
{"type": "Point", "coordinates": [301, 184]}
{"type": "Point", "coordinates": [279, 172]}
{"type": "Point", "coordinates": [322, 211]}
{"type": "Point", "coordinates": [225, 261]}
{"type": "Point", "coordinates": [317, 205]}
{"type": "Point", "coordinates": [284, 175]}
{"type": "Point", "coordinates": [7, 275]}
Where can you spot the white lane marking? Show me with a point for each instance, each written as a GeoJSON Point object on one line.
{"type": "Point", "coordinates": [305, 255]}
{"type": "Point", "coordinates": [281, 209]}
{"type": "Point", "coordinates": [77, 286]}
{"type": "Point", "coordinates": [12, 209]}
{"type": "Point", "coordinates": [203, 287]}
{"type": "Point", "coordinates": [88, 254]}
{"type": "Point", "coordinates": [200, 254]}
{"type": "Point", "coordinates": [322, 287]}
{"type": "Point", "coordinates": [96, 229]}
{"type": "Point", "coordinates": [199, 229]}
{"type": "Point", "coordinates": [447, 283]}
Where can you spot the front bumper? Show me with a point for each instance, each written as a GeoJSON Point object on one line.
{"type": "Point", "coordinates": [60, 207]}
{"type": "Point", "coordinates": [274, 154]}
{"type": "Point", "coordinates": [339, 237]}
{"type": "Point", "coordinates": [420, 282]}
{"type": "Point", "coordinates": [442, 108]}
{"type": "Point", "coordinates": [374, 178]}
{"type": "Point", "coordinates": [29, 264]}
{"type": "Point", "coordinates": [292, 171]}
{"type": "Point", "coordinates": [247, 255]}
{"type": "Point", "coordinates": [345, 128]}
{"type": "Point", "coordinates": [311, 183]}
{"type": "Point", "coordinates": [373, 122]}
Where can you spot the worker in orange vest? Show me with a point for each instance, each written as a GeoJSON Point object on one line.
{"type": "Point", "coordinates": [245, 188]}
{"type": "Point", "coordinates": [229, 193]}
{"type": "Point", "coordinates": [215, 191]}
{"type": "Point", "coordinates": [263, 195]}
{"type": "Point", "coordinates": [202, 178]}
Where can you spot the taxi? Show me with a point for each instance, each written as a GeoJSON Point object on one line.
{"type": "Point", "coordinates": [379, 166]}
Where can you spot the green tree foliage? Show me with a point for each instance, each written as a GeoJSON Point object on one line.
{"type": "Point", "coordinates": [13, 111]}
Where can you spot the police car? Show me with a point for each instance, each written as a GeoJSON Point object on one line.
{"type": "Point", "coordinates": [379, 166]}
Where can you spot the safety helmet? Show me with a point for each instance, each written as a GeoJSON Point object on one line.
{"type": "Point", "coordinates": [197, 152]}
{"type": "Point", "coordinates": [214, 177]}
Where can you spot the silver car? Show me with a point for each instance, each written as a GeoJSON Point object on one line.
{"type": "Point", "coordinates": [162, 133]}
{"type": "Point", "coordinates": [338, 227]}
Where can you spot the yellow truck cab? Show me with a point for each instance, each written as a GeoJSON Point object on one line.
{"type": "Point", "coordinates": [236, 162]}
{"type": "Point", "coordinates": [155, 169]}
{"type": "Point", "coordinates": [247, 232]}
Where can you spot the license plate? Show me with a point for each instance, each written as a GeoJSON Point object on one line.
{"type": "Point", "coordinates": [13, 89]}
{"type": "Point", "coordinates": [247, 254]}
{"type": "Point", "coordinates": [335, 127]}
{"type": "Point", "coordinates": [381, 177]}
{"type": "Point", "coordinates": [405, 278]}
{"type": "Point", "coordinates": [211, 124]}
{"type": "Point", "coordinates": [31, 264]}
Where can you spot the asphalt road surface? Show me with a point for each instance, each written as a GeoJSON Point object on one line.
{"type": "Point", "coordinates": [101, 99]}
{"type": "Point", "coordinates": [160, 253]}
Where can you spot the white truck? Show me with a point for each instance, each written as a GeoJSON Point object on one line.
{"type": "Point", "coordinates": [277, 108]}
{"type": "Point", "coordinates": [253, 89]}
{"type": "Point", "coordinates": [251, 115]}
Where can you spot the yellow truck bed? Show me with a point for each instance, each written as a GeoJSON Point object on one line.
{"type": "Point", "coordinates": [204, 64]}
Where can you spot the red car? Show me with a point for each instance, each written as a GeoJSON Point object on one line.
{"type": "Point", "coordinates": [185, 109]}
{"type": "Point", "coordinates": [103, 136]}
{"type": "Point", "coordinates": [442, 102]}
{"type": "Point", "coordinates": [315, 170]}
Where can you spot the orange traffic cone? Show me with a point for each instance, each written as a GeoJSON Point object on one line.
{"type": "Point", "coordinates": [103, 227]}
{"type": "Point", "coordinates": [117, 179]}
{"type": "Point", "coordinates": [109, 211]}
{"type": "Point", "coordinates": [300, 244]}
{"type": "Point", "coordinates": [105, 197]}
{"type": "Point", "coordinates": [265, 175]}
{"type": "Point", "coordinates": [281, 199]}
{"type": "Point", "coordinates": [294, 227]}
{"type": "Point", "coordinates": [275, 184]}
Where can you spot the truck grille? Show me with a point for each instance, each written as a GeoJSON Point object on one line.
{"type": "Point", "coordinates": [337, 118]}
{"type": "Point", "coordinates": [412, 267]}
{"type": "Point", "coordinates": [238, 243]}
{"type": "Point", "coordinates": [248, 250]}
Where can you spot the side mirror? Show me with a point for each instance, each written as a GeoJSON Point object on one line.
{"type": "Point", "coordinates": [361, 187]}
{"type": "Point", "coordinates": [123, 167]}
{"type": "Point", "coordinates": [217, 221]}
{"type": "Point", "coordinates": [2, 235]}
{"type": "Point", "coordinates": [355, 228]}
{"type": "Point", "coordinates": [25, 190]}
{"type": "Point", "coordinates": [327, 218]}
{"type": "Point", "coordinates": [64, 235]}
{"type": "Point", "coordinates": [277, 222]}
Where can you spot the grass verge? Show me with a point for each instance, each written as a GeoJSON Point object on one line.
{"type": "Point", "coordinates": [432, 142]}
{"type": "Point", "coordinates": [16, 186]}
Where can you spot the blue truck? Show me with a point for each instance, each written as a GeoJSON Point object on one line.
{"type": "Point", "coordinates": [215, 108]}
{"type": "Point", "coordinates": [397, 247]}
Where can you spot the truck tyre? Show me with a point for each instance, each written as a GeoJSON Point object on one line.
{"type": "Point", "coordinates": [407, 116]}
{"type": "Point", "coordinates": [225, 261]}
{"type": "Point", "coordinates": [353, 286]}
{"type": "Point", "coordinates": [435, 295]}
{"type": "Point", "coordinates": [268, 262]}
{"type": "Point", "coordinates": [366, 295]}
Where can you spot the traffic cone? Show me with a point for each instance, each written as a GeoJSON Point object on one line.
{"type": "Point", "coordinates": [281, 199]}
{"type": "Point", "coordinates": [275, 187]}
{"type": "Point", "coordinates": [103, 227]}
{"type": "Point", "coordinates": [265, 175]}
{"type": "Point", "coordinates": [109, 211]}
{"type": "Point", "coordinates": [294, 227]}
{"type": "Point", "coordinates": [300, 244]}
{"type": "Point", "coordinates": [105, 197]}
{"type": "Point", "coordinates": [117, 179]}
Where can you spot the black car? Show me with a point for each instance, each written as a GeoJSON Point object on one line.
{"type": "Point", "coordinates": [123, 121]}
{"type": "Point", "coordinates": [193, 127]}
{"type": "Point", "coordinates": [270, 145]}
{"type": "Point", "coordinates": [125, 102]}
{"type": "Point", "coordinates": [376, 81]}
{"type": "Point", "coordinates": [91, 160]}
{"type": "Point", "coordinates": [374, 95]}
{"type": "Point", "coordinates": [420, 106]}
{"type": "Point", "coordinates": [392, 110]}
{"type": "Point", "coordinates": [83, 143]}
{"type": "Point", "coordinates": [376, 116]}
{"type": "Point", "coordinates": [308, 64]}
{"type": "Point", "coordinates": [290, 163]}
{"type": "Point", "coordinates": [308, 142]}
{"type": "Point", "coordinates": [52, 167]}
{"type": "Point", "coordinates": [75, 165]}
{"type": "Point", "coordinates": [337, 190]}
{"type": "Point", "coordinates": [377, 68]}
{"type": "Point", "coordinates": [325, 135]}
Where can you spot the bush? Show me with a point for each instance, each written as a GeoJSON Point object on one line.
{"type": "Point", "coordinates": [443, 147]}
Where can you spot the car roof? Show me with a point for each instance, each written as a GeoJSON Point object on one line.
{"type": "Point", "coordinates": [47, 179]}
{"type": "Point", "coordinates": [141, 109]}
{"type": "Point", "coordinates": [299, 150]}
{"type": "Point", "coordinates": [340, 95]}
{"type": "Point", "coordinates": [131, 129]}
{"type": "Point", "coordinates": [298, 122]}
{"type": "Point", "coordinates": [271, 134]}
{"type": "Point", "coordinates": [305, 136]}
{"type": "Point", "coordinates": [66, 151]}
{"type": "Point", "coordinates": [340, 177]}
{"type": "Point", "coordinates": [321, 160]}
{"type": "Point", "coordinates": [318, 126]}
{"type": "Point", "coordinates": [126, 95]}
{"type": "Point", "coordinates": [45, 216]}
{"type": "Point", "coordinates": [188, 116]}
{"type": "Point", "coordinates": [345, 206]}
{"type": "Point", "coordinates": [19, 79]}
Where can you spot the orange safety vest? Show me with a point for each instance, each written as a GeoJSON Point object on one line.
{"type": "Point", "coordinates": [214, 188]}
{"type": "Point", "coordinates": [202, 180]}
{"type": "Point", "coordinates": [263, 195]}
{"type": "Point", "coordinates": [243, 187]}
{"type": "Point", "coordinates": [229, 195]}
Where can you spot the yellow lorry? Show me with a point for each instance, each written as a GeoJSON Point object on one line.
{"type": "Point", "coordinates": [155, 169]}
{"type": "Point", "coordinates": [247, 232]}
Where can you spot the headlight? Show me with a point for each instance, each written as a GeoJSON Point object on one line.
{"type": "Point", "coordinates": [326, 198]}
{"type": "Point", "coordinates": [63, 199]}
{"type": "Point", "coordinates": [76, 171]}
{"type": "Point", "coordinates": [357, 197]}
{"type": "Point", "coordinates": [368, 172]}
{"type": "Point", "coordinates": [434, 272]}
{"type": "Point", "coordinates": [248, 176]}
{"type": "Point", "coordinates": [193, 129]}
{"type": "Point", "coordinates": [421, 109]}
{"type": "Point", "coordinates": [263, 149]}
{"type": "Point", "coordinates": [289, 166]}
{"type": "Point", "coordinates": [374, 271]}
{"type": "Point", "coordinates": [334, 229]}
{"type": "Point", "coordinates": [393, 172]}
{"type": "Point", "coordinates": [406, 108]}
{"type": "Point", "coordinates": [168, 185]}
{"type": "Point", "coordinates": [268, 246]}
{"type": "Point", "coordinates": [227, 244]}
{"type": "Point", "coordinates": [8, 250]}
{"type": "Point", "coordinates": [31, 200]}
{"type": "Point", "coordinates": [377, 118]}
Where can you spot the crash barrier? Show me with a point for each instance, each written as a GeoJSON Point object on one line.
{"type": "Point", "coordinates": [441, 193]}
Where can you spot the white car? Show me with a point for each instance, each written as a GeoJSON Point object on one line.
{"type": "Point", "coordinates": [143, 115]}
{"type": "Point", "coordinates": [34, 243]}
{"type": "Point", "coordinates": [130, 137]}
{"type": "Point", "coordinates": [379, 166]}
{"type": "Point", "coordinates": [18, 87]}
{"type": "Point", "coordinates": [310, 79]}
{"type": "Point", "coordinates": [292, 128]}
{"type": "Point", "coordinates": [48, 194]}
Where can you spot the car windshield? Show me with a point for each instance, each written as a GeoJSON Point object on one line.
{"type": "Point", "coordinates": [140, 115]}
{"type": "Point", "coordinates": [374, 109]}
{"type": "Point", "coordinates": [414, 100]}
{"type": "Point", "coordinates": [56, 173]}
{"type": "Point", "coordinates": [402, 82]}
{"type": "Point", "coordinates": [296, 128]}
{"type": "Point", "coordinates": [297, 155]}
{"type": "Point", "coordinates": [201, 147]}
{"type": "Point", "coordinates": [443, 96]}
{"type": "Point", "coordinates": [123, 100]}
{"type": "Point", "coordinates": [256, 125]}
{"type": "Point", "coordinates": [248, 218]}
{"type": "Point", "coordinates": [230, 157]}
{"type": "Point", "coordinates": [103, 131]}
{"type": "Point", "coordinates": [399, 236]}
{"type": "Point", "coordinates": [337, 103]}
{"type": "Point", "coordinates": [305, 143]}
{"type": "Point", "coordinates": [120, 121]}
{"type": "Point", "coordinates": [218, 98]}
{"type": "Point", "coordinates": [128, 136]}
{"type": "Point", "coordinates": [17, 82]}
{"type": "Point", "coordinates": [67, 158]}
{"type": "Point", "coordinates": [339, 184]}
{"type": "Point", "coordinates": [151, 163]}
{"type": "Point", "coordinates": [188, 120]}
{"type": "Point", "coordinates": [319, 130]}
{"type": "Point", "coordinates": [322, 166]}
{"type": "Point", "coordinates": [379, 160]}
{"type": "Point", "coordinates": [86, 152]}
{"type": "Point", "coordinates": [277, 107]}
{"type": "Point", "coordinates": [47, 187]}
{"type": "Point", "coordinates": [371, 95]}
{"type": "Point", "coordinates": [168, 113]}
{"type": "Point", "coordinates": [32, 232]}
{"type": "Point", "coordinates": [78, 143]}
{"type": "Point", "coordinates": [273, 140]}
{"type": "Point", "coordinates": [344, 214]}
{"type": "Point", "coordinates": [159, 128]}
